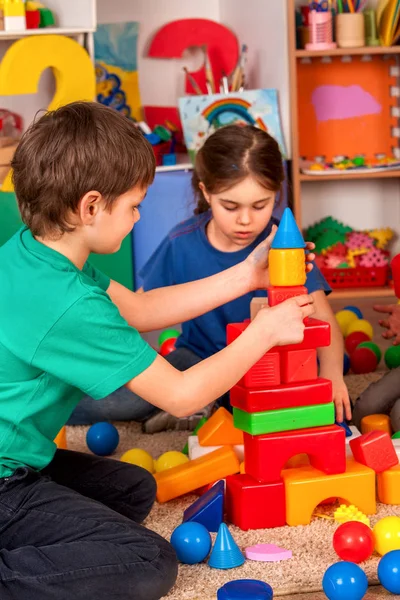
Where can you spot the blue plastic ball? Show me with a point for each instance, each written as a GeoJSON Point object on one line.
{"type": "Point", "coordinates": [389, 571]}
{"type": "Point", "coordinates": [355, 310]}
{"type": "Point", "coordinates": [346, 364]}
{"type": "Point", "coordinates": [345, 581]}
{"type": "Point", "coordinates": [102, 439]}
{"type": "Point", "coordinates": [192, 542]}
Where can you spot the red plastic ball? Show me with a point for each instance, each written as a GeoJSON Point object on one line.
{"type": "Point", "coordinates": [168, 346]}
{"type": "Point", "coordinates": [363, 360]}
{"type": "Point", "coordinates": [353, 541]}
{"type": "Point", "coordinates": [355, 338]}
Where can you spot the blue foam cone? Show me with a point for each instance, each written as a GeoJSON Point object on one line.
{"type": "Point", "coordinates": [288, 234]}
{"type": "Point", "coordinates": [225, 553]}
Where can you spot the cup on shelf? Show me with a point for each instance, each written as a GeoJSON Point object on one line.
{"type": "Point", "coordinates": [350, 30]}
{"type": "Point", "coordinates": [320, 31]}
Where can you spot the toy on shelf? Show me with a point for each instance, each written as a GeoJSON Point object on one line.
{"type": "Point", "coordinates": [343, 165]}
{"type": "Point", "coordinates": [102, 438]}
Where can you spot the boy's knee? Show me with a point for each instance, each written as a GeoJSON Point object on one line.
{"type": "Point", "coordinates": [162, 577]}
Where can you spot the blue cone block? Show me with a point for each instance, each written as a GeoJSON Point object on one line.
{"type": "Point", "coordinates": [226, 553]}
{"type": "Point", "coordinates": [245, 589]}
{"type": "Point", "coordinates": [288, 234]}
{"type": "Point", "coordinates": [208, 509]}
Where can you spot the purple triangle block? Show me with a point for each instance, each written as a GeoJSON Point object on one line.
{"type": "Point", "coordinates": [208, 509]}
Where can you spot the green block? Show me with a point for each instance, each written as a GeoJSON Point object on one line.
{"type": "Point", "coordinates": [195, 430]}
{"type": "Point", "coordinates": [46, 18]}
{"type": "Point", "coordinates": [396, 435]}
{"type": "Point", "coordinates": [286, 419]}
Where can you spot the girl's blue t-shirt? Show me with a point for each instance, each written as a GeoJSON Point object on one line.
{"type": "Point", "coordinates": [187, 255]}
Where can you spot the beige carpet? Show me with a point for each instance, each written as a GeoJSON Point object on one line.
{"type": "Point", "coordinates": [311, 545]}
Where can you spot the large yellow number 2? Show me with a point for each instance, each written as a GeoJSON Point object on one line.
{"type": "Point", "coordinates": [25, 61]}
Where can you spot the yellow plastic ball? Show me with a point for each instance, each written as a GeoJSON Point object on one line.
{"type": "Point", "coordinates": [387, 535]}
{"type": "Point", "coordinates": [361, 325]}
{"type": "Point", "coordinates": [170, 459]}
{"type": "Point", "coordinates": [139, 457]}
{"type": "Point", "coordinates": [344, 319]}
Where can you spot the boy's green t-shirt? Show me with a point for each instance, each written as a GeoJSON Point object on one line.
{"type": "Point", "coordinates": [60, 336]}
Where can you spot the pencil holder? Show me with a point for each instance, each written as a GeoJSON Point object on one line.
{"type": "Point", "coordinates": [320, 26]}
{"type": "Point", "coordinates": [350, 30]}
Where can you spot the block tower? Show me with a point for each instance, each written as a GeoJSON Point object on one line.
{"type": "Point", "coordinates": [285, 410]}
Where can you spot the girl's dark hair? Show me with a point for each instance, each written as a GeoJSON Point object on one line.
{"type": "Point", "coordinates": [231, 154]}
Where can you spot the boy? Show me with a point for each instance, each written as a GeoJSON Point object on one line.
{"type": "Point", "coordinates": [70, 522]}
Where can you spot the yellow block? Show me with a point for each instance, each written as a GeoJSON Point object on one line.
{"type": "Point", "coordinates": [287, 266]}
{"type": "Point", "coordinates": [389, 486]}
{"type": "Point", "coordinates": [306, 487]}
{"type": "Point", "coordinates": [61, 439]}
{"type": "Point", "coordinates": [196, 473]}
{"type": "Point", "coordinates": [14, 8]}
{"type": "Point", "coordinates": [376, 423]}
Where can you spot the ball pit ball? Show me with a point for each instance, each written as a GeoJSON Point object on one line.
{"type": "Point", "coordinates": [355, 310]}
{"type": "Point", "coordinates": [374, 347]}
{"type": "Point", "coordinates": [353, 541]}
{"type": "Point", "coordinates": [170, 459]}
{"type": "Point", "coordinates": [346, 364]}
{"type": "Point", "coordinates": [102, 438]}
{"type": "Point", "coordinates": [167, 334]}
{"type": "Point", "coordinates": [361, 325]}
{"type": "Point", "coordinates": [392, 357]}
{"type": "Point", "coordinates": [389, 571]}
{"type": "Point", "coordinates": [167, 347]}
{"type": "Point", "coordinates": [192, 542]}
{"type": "Point", "coordinates": [355, 339]}
{"type": "Point", "coordinates": [387, 535]}
{"type": "Point", "coordinates": [344, 319]}
{"type": "Point", "coordinates": [345, 581]}
{"type": "Point", "coordinates": [139, 457]}
{"type": "Point", "coordinates": [363, 360]}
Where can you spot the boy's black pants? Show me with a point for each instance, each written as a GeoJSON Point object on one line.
{"type": "Point", "coordinates": [72, 532]}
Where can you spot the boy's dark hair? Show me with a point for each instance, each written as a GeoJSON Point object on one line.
{"type": "Point", "coordinates": [77, 148]}
{"type": "Point", "coordinates": [231, 154]}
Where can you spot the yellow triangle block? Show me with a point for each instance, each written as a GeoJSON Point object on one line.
{"type": "Point", "coordinates": [219, 430]}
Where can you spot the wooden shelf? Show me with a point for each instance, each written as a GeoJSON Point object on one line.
{"type": "Point", "coordinates": [349, 51]}
{"type": "Point", "coordinates": [368, 292]}
{"type": "Point", "coordinates": [351, 175]}
{"type": "Point", "coordinates": [69, 31]}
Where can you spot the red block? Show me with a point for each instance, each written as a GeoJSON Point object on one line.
{"type": "Point", "coordinates": [316, 335]}
{"type": "Point", "coordinates": [298, 365]}
{"type": "Point", "coordinates": [317, 391]}
{"type": "Point", "coordinates": [267, 455]}
{"type": "Point", "coordinates": [265, 373]}
{"type": "Point", "coordinates": [276, 295]}
{"type": "Point", "coordinates": [254, 505]}
{"type": "Point", "coordinates": [374, 450]}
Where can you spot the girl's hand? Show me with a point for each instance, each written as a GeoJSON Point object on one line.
{"type": "Point", "coordinates": [341, 400]}
{"type": "Point", "coordinates": [284, 323]}
{"type": "Point", "coordinates": [392, 323]}
{"type": "Point", "coordinates": [258, 261]}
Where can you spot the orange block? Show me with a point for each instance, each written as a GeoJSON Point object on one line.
{"type": "Point", "coordinates": [389, 486]}
{"type": "Point", "coordinates": [61, 439]}
{"type": "Point", "coordinates": [307, 487]}
{"type": "Point", "coordinates": [220, 431]}
{"type": "Point", "coordinates": [376, 423]}
{"type": "Point", "coordinates": [196, 473]}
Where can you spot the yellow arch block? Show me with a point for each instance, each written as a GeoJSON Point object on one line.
{"type": "Point", "coordinates": [376, 423]}
{"type": "Point", "coordinates": [287, 267]}
{"type": "Point", "coordinates": [389, 486]}
{"type": "Point", "coordinates": [307, 487]}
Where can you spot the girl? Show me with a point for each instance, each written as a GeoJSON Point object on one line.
{"type": "Point", "coordinates": [237, 177]}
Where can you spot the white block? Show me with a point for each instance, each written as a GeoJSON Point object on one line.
{"type": "Point", "coordinates": [195, 450]}
{"type": "Point", "coordinates": [15, 23]}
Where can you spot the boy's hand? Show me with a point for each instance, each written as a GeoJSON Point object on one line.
{"type": "Point", "coordinates": [392, 323]}
{"type": "Point", "coordinates": [258, 261]}
{"type": "Point", "coordinates": [341, 400]}
{"type": "Point", "coordinates": [285, 322]}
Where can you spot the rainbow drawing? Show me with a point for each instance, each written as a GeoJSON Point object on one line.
{"type": "Point", "coordinates": [237, 106]}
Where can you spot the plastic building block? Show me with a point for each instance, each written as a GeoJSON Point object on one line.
{"type": "Point", "coordinates": [208, 509]}
{"type": "Point", "coordinates": [288, 234]}
{"type": "Point", "coordinates": [245, 589]}
{"type": "Point", "coordinates": [267, 553]}
{"type": "Point", "coordinates": [317, 334]}
{"type": "Point", "coordinates": [345, 513]}
{"type": "Point", "coordinates": [317, 391]}
{"type": "Point", "coordinates": [254, 505]}
{"type": "Point", "coordinates": [264, 373]}
{"type": "Point", "coordinates": [286, 419]}
{"type": "Point", "coordinates": [61, 439]}
{"type": "Point", "coordinates": [196, 473]}
{"type": "Point", "coordinates": [267, 455]}
{"type": "Point", "coordinates": [307, 487]}
{"type": "Point", "coordinates": [298, 365]}
{"type": "Point", "coordinates": [375, 450]}
{"type": "Point", "coordinates": [389, 486]}
{"type": "Point", "coordinates": [276, 295]}
{"type": "Point", "coordinates": [46, 17]}
{"type": "Point", "coordinates": [225, 553]}
{"type": "Point", "coordinates": [195, 450]}
{"type": "Point", "coordinates": [287, 267]}
{"type": "Point", "coordinates": [376, 423]}
{"type": "Point", "coordinates": [346, 428]}
{"type": "Point", "coordinates": [194, 433]}
{"type": "Point", "coordinates": [14, 8]}
{"type": "Point", "coordinates": [219, 430]}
